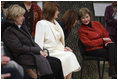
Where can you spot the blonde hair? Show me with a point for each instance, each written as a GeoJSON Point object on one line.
{"type": "Point", "coordinates": [84, 11]}
{"type": "Point", "coordinates": [14, 11]}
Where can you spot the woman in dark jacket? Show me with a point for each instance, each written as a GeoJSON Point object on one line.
{"type": "Point", "coordinates": [19, 41]}
{"type": "Point", "coordinates": [32, 15]}
{"type": "Point", "coordinates": [110, 18]}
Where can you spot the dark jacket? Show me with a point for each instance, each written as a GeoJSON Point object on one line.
{"type": "Point", "coordinates": [32, 17]}
{"type": "Point", "coordinates": [110, 22]}
{"type": "Point", "coordinates": [19, 41]}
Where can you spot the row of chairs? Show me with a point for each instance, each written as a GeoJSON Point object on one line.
{"type": "Point", "coordinates": [82, 51]}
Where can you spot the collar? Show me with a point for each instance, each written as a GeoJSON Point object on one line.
{"type": "Point", "coordinates": [89, 25]}
{"type": "Point", "coordinates": [19, 26]}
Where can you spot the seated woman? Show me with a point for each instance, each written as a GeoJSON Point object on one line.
{"type": "Point", "coordinates": [96, 40]}
{"type": "Point", "coordinates": [49, 35]}
{"type": "Point", "coordinates": [19, 41]}
{"type": "Point", "coordinates": [68, 21]}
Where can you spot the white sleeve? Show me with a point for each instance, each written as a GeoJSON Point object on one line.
{"type": "Point", "coordinates": [39, 34]}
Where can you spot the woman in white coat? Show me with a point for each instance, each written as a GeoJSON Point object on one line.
{"type": "Point", "coordinates": [50, 35]}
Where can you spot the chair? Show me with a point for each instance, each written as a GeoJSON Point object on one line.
{"type": "Point", "coordinates": [8, 53]}
{"type": "Point", "coordinates": [85, 57]}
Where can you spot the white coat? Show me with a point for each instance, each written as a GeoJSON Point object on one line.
{"type": "Point", "coordinates": [50, 36]}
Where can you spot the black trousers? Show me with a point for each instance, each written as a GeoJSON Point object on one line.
{"type": "Point", "coordinates": [56, 68]}
{"type": "Point", "coordinates": [109, 52]}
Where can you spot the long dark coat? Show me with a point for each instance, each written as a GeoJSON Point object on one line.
{"type": "Point", "coordinates": [19, 41]}
{"type": "Point", "coordinates": [111, 24]}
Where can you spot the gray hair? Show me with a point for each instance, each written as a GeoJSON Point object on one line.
{"type": "Point", "coordinates": [14, 11]}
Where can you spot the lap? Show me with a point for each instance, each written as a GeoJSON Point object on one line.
{"type": "Point", "coordinates": [103, 52]}
{"type": "Point", "coordinates": [54, 61]}
{"type": "Point", "coordinates": [98, 53]}
{"type": "Point", "coordinates": [61, 54]}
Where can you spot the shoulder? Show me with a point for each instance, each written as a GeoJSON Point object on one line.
{"type": "Point", "coordinates": [95, 22]}
{"type": "Point", "coordinates": [43, 22]}
{"type": "Point", "coordinates": [56, 22]}
{"type": "Point", "coordinates": [11, 28]}
{"type": "Point", "coordinates": [110, 6]}
{"type": "Point", "coordinates": [35, 5]}
{"type": "Point", "coordinates": [8, 25]}
{"type": "Point", "coordinates": [81, 29]}
{"type": "Point", "coordinates": [8, 31]}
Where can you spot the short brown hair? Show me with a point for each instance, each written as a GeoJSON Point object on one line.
{"type": "Point", "coordinates": [14, 11]}
{"type": "Point", "coordinates": [69, 18]}
{"type": "Point", "coordinates": [84, 11]}
{"type": "Point", "coordinates": [49, 10]}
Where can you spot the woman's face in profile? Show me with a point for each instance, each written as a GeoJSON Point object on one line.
{"type": "Point", "coordinates": [19, 20]}
{"type": "Point", "coordinates": [56, 14]}
{"type": "Point", "coordinates": [86, 19]}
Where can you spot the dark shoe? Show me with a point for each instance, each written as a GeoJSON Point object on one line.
{"type": "Point", "coordinates": [114, 77]}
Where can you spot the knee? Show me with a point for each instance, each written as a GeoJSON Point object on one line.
{"type": "Point", "coordinates": [13, 64]}
{"type": "Point", "coordinates": [58, 60]}
{"type": "Point", "coordinates": [16, 67]}
{"type": "Point", "coordinates": [112, 45]}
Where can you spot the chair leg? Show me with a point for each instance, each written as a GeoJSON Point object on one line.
{"type": "Point", "coordinates": [103, 69]}
{"type": "Point", "coordinates": [98, 62]}
{"type": "Point", "coordinates": [82, 67]}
